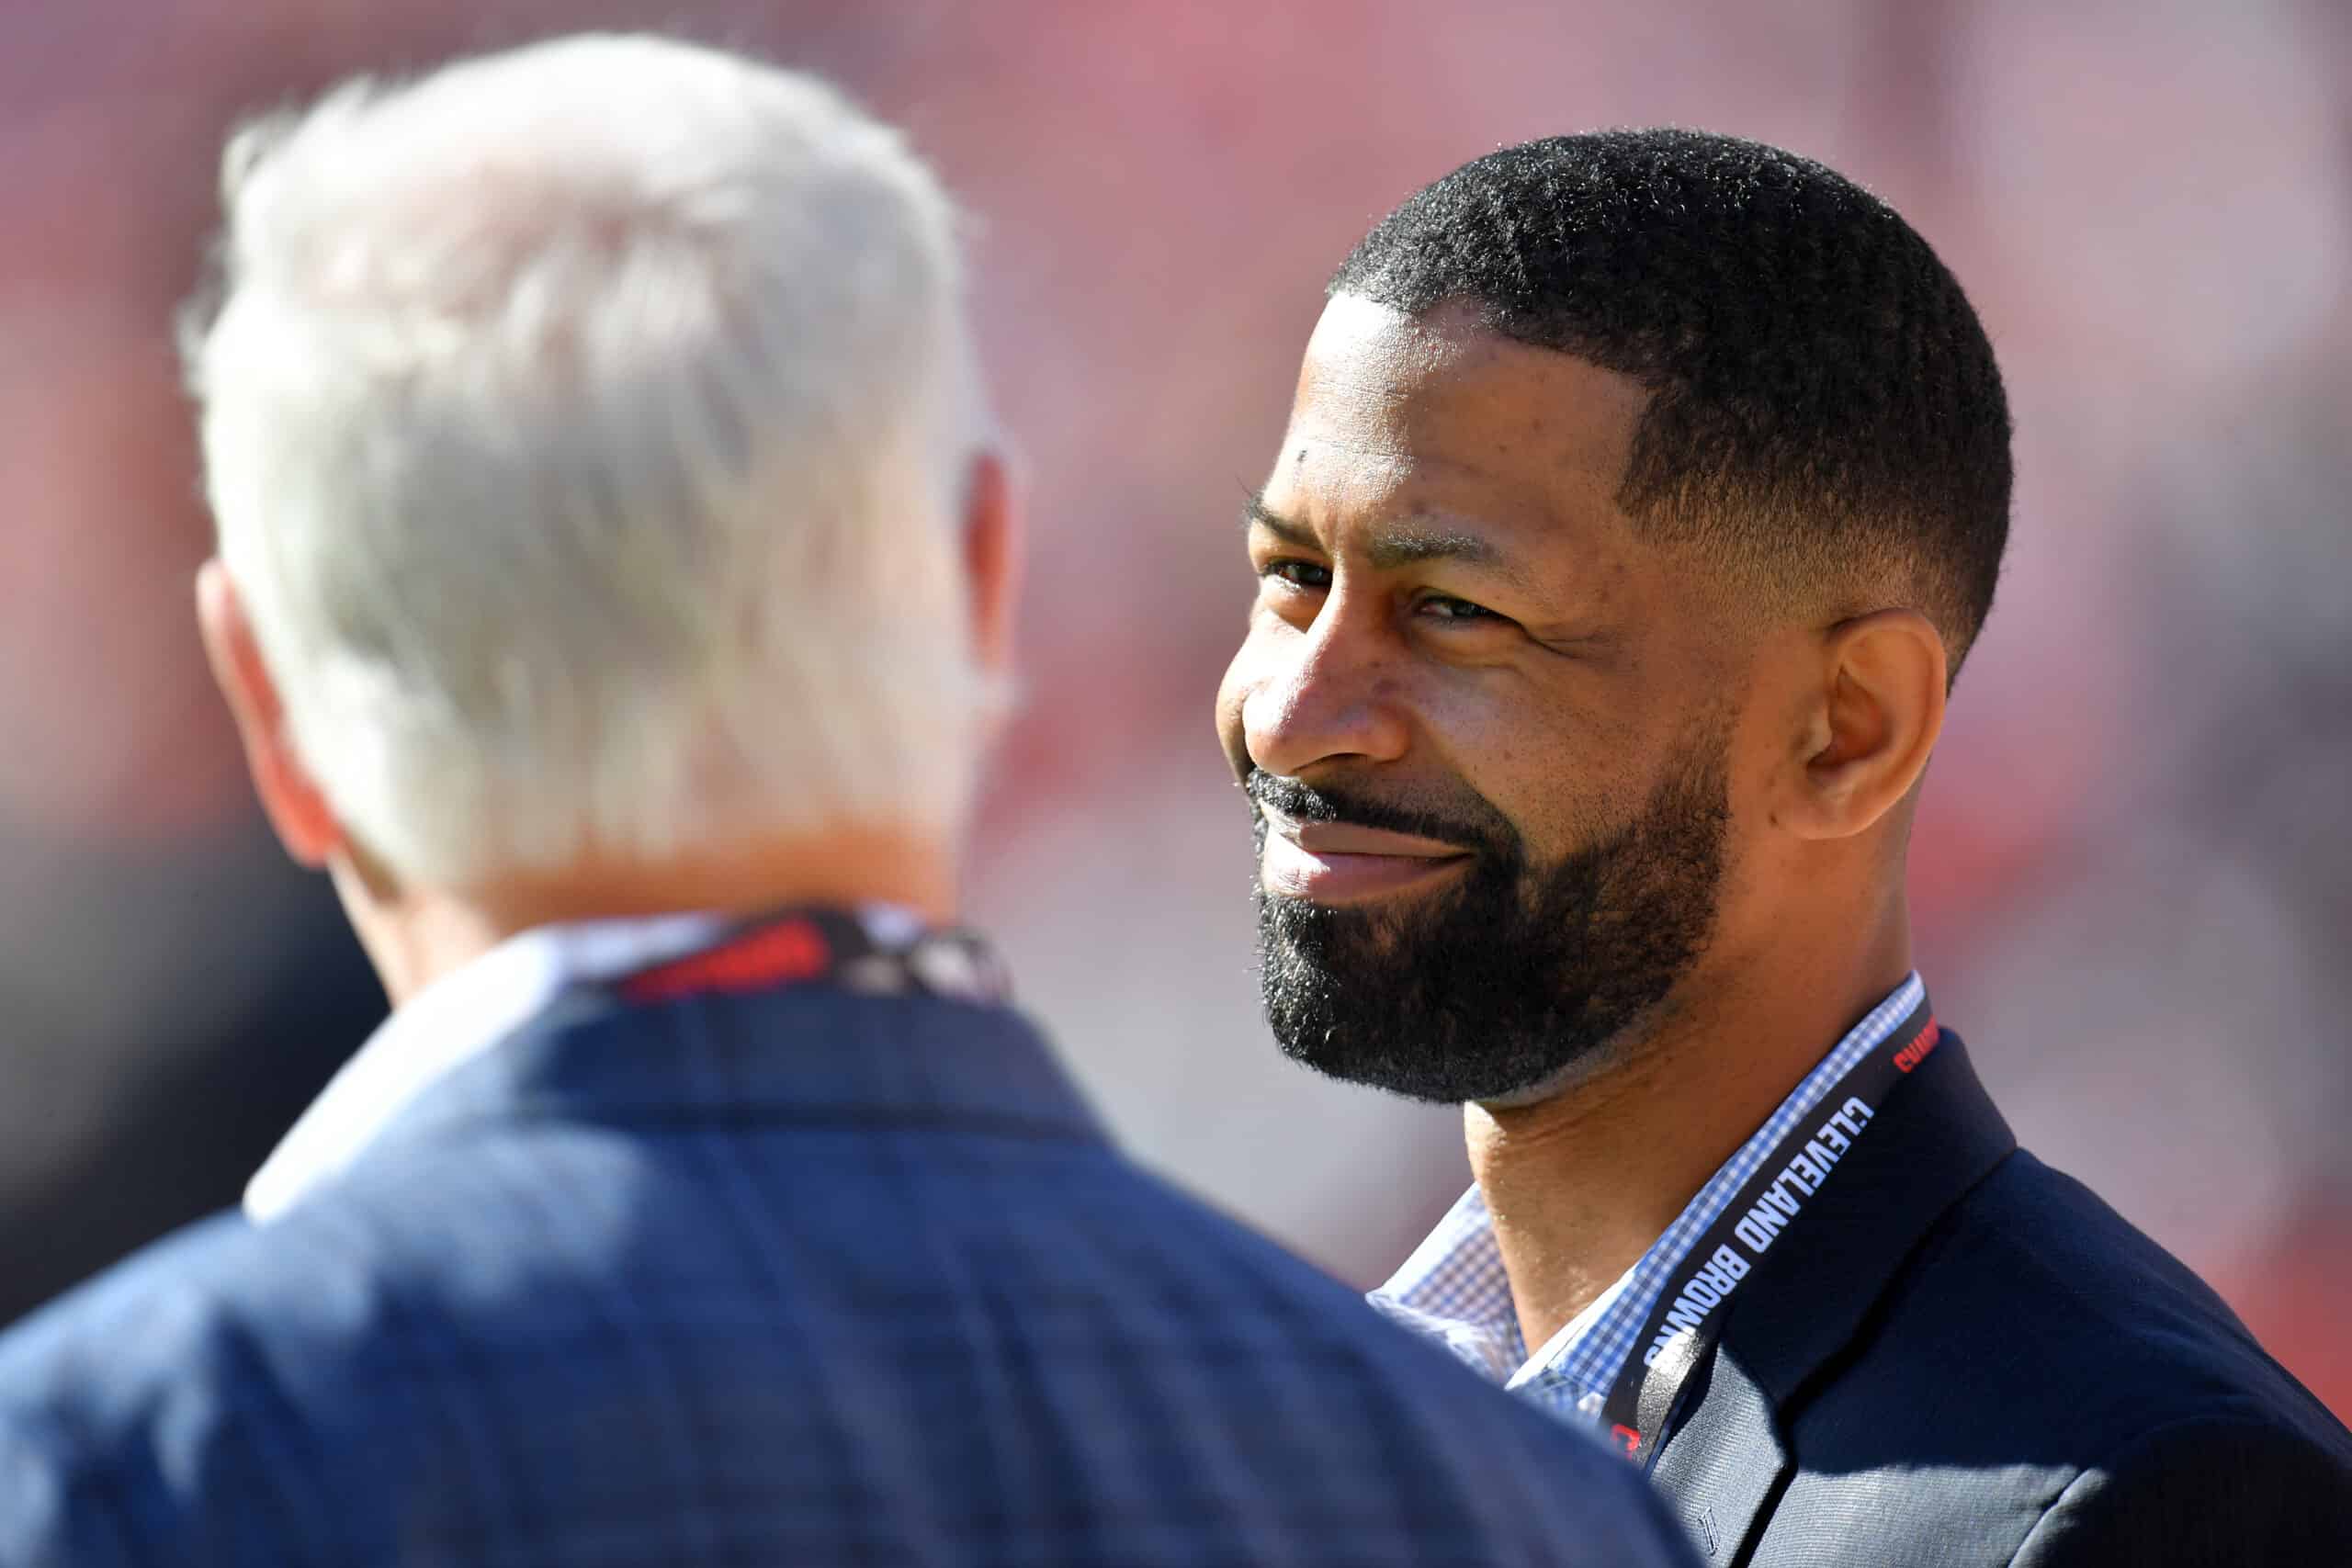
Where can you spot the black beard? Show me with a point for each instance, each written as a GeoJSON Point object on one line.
{"type": "Point", "coordinates": [1514, 975]}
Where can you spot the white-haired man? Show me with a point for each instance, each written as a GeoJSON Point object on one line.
{"type": "Point", "coordinates": [611, 596]}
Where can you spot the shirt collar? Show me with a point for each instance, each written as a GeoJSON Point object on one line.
{"type": "Point", "coordinates": [1454, 1288]}
{"type": "Point", "coordinates": [464, 1013]}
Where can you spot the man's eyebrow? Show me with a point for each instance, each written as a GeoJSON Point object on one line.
{"type": "Point", "coordinates": [1393, 545]}
{"type": "Point", "coordinates": [1403, 544]}
{"type": "Point", "coordinates": [1256, 513]}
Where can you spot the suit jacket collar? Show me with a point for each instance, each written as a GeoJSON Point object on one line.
{"type": "Point", "coordinates": [452, 1020]}
{"type": "Point", "coordinates": [801, 1053]}
{"type": "Point", "coordinates": [534, 1030]}
{"type": "Point", "coordinates": [1931, 1142]}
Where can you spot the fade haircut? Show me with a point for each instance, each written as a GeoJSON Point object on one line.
{"type": "Point", "coordinates": [1826, 423]}
{"type": "Point", "coordinates": [588, 428]}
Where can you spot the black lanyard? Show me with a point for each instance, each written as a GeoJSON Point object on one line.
{"type": "Point", "coordinates": [1690, 1313]}
{"type": "Point", "coordinates": [827, 947]}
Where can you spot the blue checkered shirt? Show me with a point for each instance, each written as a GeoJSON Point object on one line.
{"type": "Point", "coordinates": [1454, 1288]}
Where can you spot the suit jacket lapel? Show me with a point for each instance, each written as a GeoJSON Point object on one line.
{"type": "Point", "coordinates": [1726, 1460]}
{"type": "Point", "coordinates": [1726, 1455]}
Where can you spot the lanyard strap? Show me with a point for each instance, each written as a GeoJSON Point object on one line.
{"type": "Point", "coordinates": [1690, 1310]}
{"type": "Point", "coordinates": [828, 947]}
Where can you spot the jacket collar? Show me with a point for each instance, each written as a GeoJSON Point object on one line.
{"type": "Point", "coordinates": [1932, 1141]}
{"type": "Point", "coordinates": [533, 1029]}
{"type": "Point", "coordinates": [447, 1025]}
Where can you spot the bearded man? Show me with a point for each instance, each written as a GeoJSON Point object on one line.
{"type": "Point", "coordinates": [1643, 493]}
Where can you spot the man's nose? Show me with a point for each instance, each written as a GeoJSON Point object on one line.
{"type": "Point", "coordinates": [1328, 696]}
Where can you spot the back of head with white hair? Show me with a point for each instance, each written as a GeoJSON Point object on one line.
{"type": "Point", "coordinates": [588, 427]}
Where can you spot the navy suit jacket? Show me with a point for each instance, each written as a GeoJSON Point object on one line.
{"type": "Point", "coordinates": [1962, 1358]}
{"type": "Point", "coordinates": [796, 1277]}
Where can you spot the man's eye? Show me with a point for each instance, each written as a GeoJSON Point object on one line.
{"type": "Point", "coordinates": [1445, 608]}
{"type": "Point", "coordinates": [1299, 573]}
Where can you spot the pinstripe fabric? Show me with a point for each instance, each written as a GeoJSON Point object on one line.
{"type": "Point", "coordinates": [800, 1277]}
{"type": "Point", "coordinates": [1454, 1289]}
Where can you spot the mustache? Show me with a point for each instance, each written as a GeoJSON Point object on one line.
{"type": "Point", "coordinates": [1474, 825]}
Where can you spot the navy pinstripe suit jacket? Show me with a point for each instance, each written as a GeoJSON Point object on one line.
{"type": "Point", "coordinates": [797, 1277]}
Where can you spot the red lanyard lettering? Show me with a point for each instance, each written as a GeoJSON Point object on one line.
{"type": "Point", "coordinates": [826, 947]}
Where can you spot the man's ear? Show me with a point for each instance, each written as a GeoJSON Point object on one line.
{"type": "Point", "coordinates": [991, 561]}
{"type": "Point", "coordinates": [1874, 719]}
{"type": "Point", "coordinates": [297, 807]}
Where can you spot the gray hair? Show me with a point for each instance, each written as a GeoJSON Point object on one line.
{"type": "Point", "coordinates": [587, 428]}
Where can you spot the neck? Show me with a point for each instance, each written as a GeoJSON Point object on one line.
{"type": "Point", "coordinates": [1580, 1184]}
{"type": "Point", "coordinates": [417, 935]}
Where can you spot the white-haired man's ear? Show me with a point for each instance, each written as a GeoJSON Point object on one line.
{"type": "Point", "coordinates": [992, 556]}
{"type": "Point", "coordinates": [297, 807]}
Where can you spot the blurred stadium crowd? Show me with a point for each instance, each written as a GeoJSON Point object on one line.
{"type": "Point", "coordinates": [2135, 878]}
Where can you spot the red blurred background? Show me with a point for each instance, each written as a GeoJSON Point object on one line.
{"type": "Point", "coordinates": [2134, 878]}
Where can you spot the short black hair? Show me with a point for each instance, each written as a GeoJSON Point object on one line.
{"type": "Point", "coordinates": [1826, 419]}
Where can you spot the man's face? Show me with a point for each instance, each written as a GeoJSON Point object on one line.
{"type": "Point", "coordinates": [1488, 732]}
